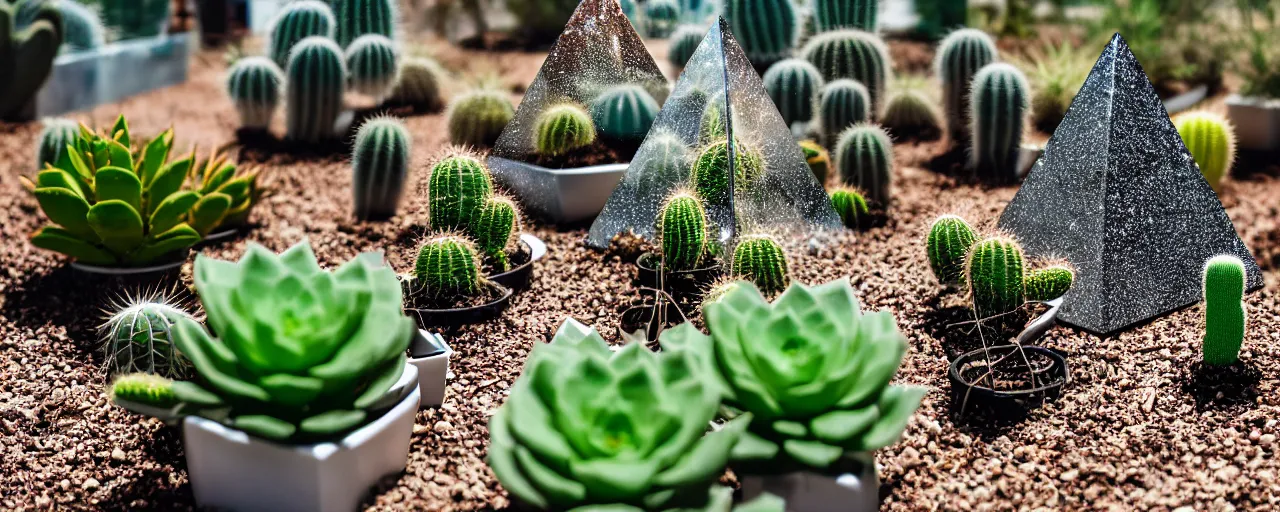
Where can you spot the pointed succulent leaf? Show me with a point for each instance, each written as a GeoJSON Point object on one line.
{"type": "Point", "coordinates": [117, 224]}
{"type": "Point", "coordinates": [168, 181]}
{"type": "Point", "coordinates": [209, 212]}
{"type": "Point", "coordinates": [266, 427]}
{"type": "Point", "coordinates": [57, 178]}
{"type": "Point", "coordinates": [120, 131]}
{"type": "Point", "coordinates": [502, 460]}
{"type": "Point", "coordinates": [329, 423]}
{"type": "Point", "coordinates": [153, 157]}
{"type": "Point", "coordinates": [119, 156]}
{"type": "Point", "coordinates": [67, 209]}
{"type": "Point", "coordinates": [812, 453]}
{"type": "Point", "coordinates": [175, 239]}
{"type": "Point", "coordinates": [59, 240]}
{"type": "Point", "coordinates": [896, 405]}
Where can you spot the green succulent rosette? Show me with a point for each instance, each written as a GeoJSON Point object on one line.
{"type": "Point", "coordinates": [811, 369]}
{"type": "Point", "coordinates": [226, 195]}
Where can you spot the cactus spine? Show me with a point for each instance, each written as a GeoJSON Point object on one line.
{"type": "Point", "coordinates": [864, 158]}
{"type": "Point", "coordinates": [960, 55]}
{"type": "Point", "coordinates": [1049, 283]}
{"type": "Point", "coordinates": [56, 135]}
{"type": "Point", "coordinates": [1212, 142]}
{"type": "Point", "coordinates": [379, 164]}
{"type": "Point", "coordinates": [996, 274]}
{"type": "Point", "coordinates": [254, 86]}
{"type": "Point", "coordinates": [850, 205]}
{"type": "Point", "coordinates": [683, 43]}
{"type": "Point", "coordinates": [841, 105]}
{"type": "Point", "coordinates": [819, 160]}
{"type": "Point", "coordinates": [562, 129]}
{"type": "Point", "coordinates": [456, 190]}
{"type": "Point", "coordinates": [359, 17]}
{"type": "Point", "coordinates": [855, 55]}
{"type": "Point", "coordinates": [139, 338]}
{"type": "Point", "coordinates": [372, 63]}
{"type": "Point", "coordinates": [26, 57]}
{"type": "Point", "coordinates": [793, 84]}
{"type": "Point", "coordinates": [661, 17]}
{"type": "Point", "coordinates": [766, 29]}
{"type": "Point", "coordinates": [447, 266]}
{"type": "Point", "coordinates": [999, 100]}
{"type": "Point", "coordinates": [831, 15]}
{"type": "Point", "coordinates": [297, 21]}
{"type": "Point", "coordinates": [1224, 312]}
{"type": "Point", "coordinates": [418, 85]}
{"type": "Point", "coordinates": [759, 259]}
{"type": "Point", "coordinates": [477, 118]}
{"type": "Point", "coordinates": [711, 170]}
{"type": "Point", "coordinates": [493, 227]}
{"type": "Point", "coordinates": [683, 231]}
{"type": "Point", "coordinates": [948, 244]}
{"type": "Point", "coordinates": [624, 112]}
{"type": "Point", "coordinates": [316, 79]}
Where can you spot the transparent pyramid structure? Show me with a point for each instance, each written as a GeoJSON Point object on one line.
{"type": "Point", "coordinates": [717, 86]}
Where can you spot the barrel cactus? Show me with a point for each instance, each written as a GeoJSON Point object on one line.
{"type": "Point", "coordinates": [911, 113]}
{"type": "Point", "coordinates": [447, 267]}
{"type": "Point", "coordinates": [361, 17]}
{"type": "Point", "coordinates": [999, 102]}
{"type": "Point", "coordinates": [493, 229]}
{"type": "Point", "coordinates": [1049, 283]}
{"type": "Point", "coordinates": [82, 27]}
{"type": "Point", "coordinates": [138, 337]}
{"type": "Point", "coordinates": [996, 275]}
{"type": "Point", "coordinates": [831, 15]}
{"type": "Point", "coordinates": [57, 134]}
{"type": "Point", "coordinates": [562, 129]}
{"type": "Point", "coordinates": [315, 82]}
{"type": "Point", "coordinates": [1212, 142]}
{"type": "Point", "coordinates": [842, 104]}
{"type": "Point", "coordinates": [254, 86]}
{"type": "Point", "coordinates": [661, 18]}
{"type": "Point", "coordinates": [711, 170]}
{"type": "Point", "coordinates": [682, 227]}
{"type": "Point", "coordinates": [766, 29]}
{"type": "Point", "coordinates": [299, 20]}
{"type": "Point", "coordinates": [477, 118]}
{"type": "Point", "coordinates": [793, 84]}
{"type": "Point", "coordinates": [418, 85]}
{"type": "Point", "coordinates": [26, 57]}
{"type": "Point", "coordinates": [960, 55]}
{"type": "Point", "coordinates": [372, 64]}
{"type": "Point", "coordinates": [760, 260]}
{"type": "Point", "coordinates": [457, 189]}
{"type": "Point", "coordinates": [379, 166]}
{"type": "Point", "coordinates": [855, 55]}
{"type": "Point", "coordinates": [624, 112]}
{"type": "Point", "coordinates": [818, 158]}
{"type": "Point", "coordinates": [850, 205]}
{"type": "Point", "coordinates": [683, 42]}
{"type": "Point", "coordinates": [1224, 313]}
{"type": "Point", "coordinates": [864, 157]}
{"type": "Point", "coordinates": [948, 244]}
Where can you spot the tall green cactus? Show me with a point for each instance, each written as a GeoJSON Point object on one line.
{"type": "Point", "coordinates": [831, 15]}
{"type": "Point", "coordinates": [864, 158]}
{"type": "Point", "coordinates": [26, 58]}
{"type": "Point", "coordinates": [624, 112]}
{"type": "Point", "coordinates": [1049, 283]}
{"type": "Point", "coordinates": [759, 259]}
{"type": "Point", "coordinates": [793, 84]}
{"type": "Point", "coordinates": [299, 20]}
{"type": "Point", "coordinates": [1212, 142]}
{"type": "Point", "coordinates": [447, 266]}
{"type": "Point", "coordinates": [766, 29]}
{"type": "Point", "coordinates": [379, 165]}
{"type": "Point", "coordinates": [456, 190]}
{"type": "Point", "coordinates": [477, 118]}
{"type": "Point", "coordinates": [372, 64]}
{"type": "Point", "coordinates": [661, 18]}
{"type": "Point", "coordinates": [253, 83]}
{"type": "Point", "coordinates": [960, 55]}
{"type": "Point", "coordinates": [360, 17]}
{"type": "Point", "coordinates": [683, 42]}
{"type": "Point", "coordinates": [493, 229]}
{"type": "Point", "coordinates": [948, 244]}
{"type": "Point", "coordinates": [1225, 318]}
{"type": "Point", "coordinates": [315, 82]}
{"type": "Point", "coordinates": [563, 128]}
{"type": "Point", "coordinates": [999, 100]}
{"type": "Point", "coordinates": [842, 104]}
{"type": "Point", "coordinates": [138, 337]}
{"type": "Point", "coordinates": [852, 54]}
{"type": "Point", "coordinates": [996, 274]}
{"type": "Point", "coordinates": [418, 85]}
{"type": "Point", "coordinates": [850, 205]}
{"type": "Point", "coordinates": [682, 227]}
{"type": "Point", "coordinates": [56, 135]}
{"type": "Point", "coordinates": [711, 170]}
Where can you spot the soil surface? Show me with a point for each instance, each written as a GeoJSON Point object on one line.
{"type": "Point", "coordinates": [1140, 427]}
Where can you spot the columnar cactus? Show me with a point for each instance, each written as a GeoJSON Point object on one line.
{"type": "Point", "coordinates": [1049, 283]}
{"type": "Point", "coordinates": [842, 104]}
{"type": "Point", "coordinates": [819, 160]}
{"type": "Point", "coordinates": [855, 55]}
{"type": "Point", "coordinates": [26, 57]}
{"type": "Point", "coordinates": [711, 170]}
{"type": "Point", "coordinates": [1224, 312]}
{"type": "Point", "coordinates": [379, 165]}
{"type": "Point", "coordinates": [139, 338]}
{"type": "Point", "coordinates": [493, 228]}
{"type": "Point", "coordinates": [948, 244]}
{"type": "Point", "coordinates": [418, 85]}
{"type": "Point", "coordinates": [793, 84]}
{"type": "Point", "coordinates": [682, 226]}
{"type": "Point", "coordinates": [254, 86]}
{"type": "Point", "coordinates": [864, 158]}
{"type": "Point", "coordinates": [446, 267]}
{"type": "Point", "coordinates": [759, 259]}
{"type": "Point", "coordinates": [56, 135]}
{"type": "Point", "coordinates": [999, 100]}
{"type": "Point", "coordinates": [996, 274]}
{"type": "Point", "coordinates": [315, 81]}
{"type": "Point", "coordinates": [372, 64]}
{"type": "Point", "coordinates": [624, 112]}
{"type": "Point", "coordinates": [562, 129]}
{"type": "Point", "coordinates": [661, 18]}
{"type": "Point", "coordinates": [299, 20]}
{"type": "Point", "coordinates": [457, 189]}
{"type": "Point", "coordinates": [831, 15]}
{"type": "Point", "coordinates": [359, 17]}
{"type": "Point", "coordinates": [683, 42]}
{"type": "Point", "coordinates": [1212, 142]}
{"type": "Point", "coordinates": [850, 205]}
{"type": "Point", "coordinates": [959, 58]}
{"type": "Point", "coordinates": [477, 118]}
{"type": "Point", "coordinates": [911, 113]}
{"type": "Point", "coordinates": [82, 29]}
{"type": "Point", "coordinates": [767, 29]}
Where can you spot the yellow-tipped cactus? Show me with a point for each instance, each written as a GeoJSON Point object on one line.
{"type": "Point", "coordinates": [1212, 142]}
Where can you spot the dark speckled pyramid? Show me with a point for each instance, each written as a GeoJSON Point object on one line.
{"type": "Point", "coordinates": [1118, 195]}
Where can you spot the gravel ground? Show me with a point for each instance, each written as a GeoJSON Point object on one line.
{"type": "Point", "coordinates": [1138, 428]}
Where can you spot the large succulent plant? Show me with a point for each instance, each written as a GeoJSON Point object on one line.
{"type": "Point", "coordinates": [226, 195]}
{"type": "Point", "coordinates": [812, 369]}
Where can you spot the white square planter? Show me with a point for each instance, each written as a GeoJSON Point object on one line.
{"type": "Point", "coordinates": [812, 492]}
{"type": "Point", "coordinates": [1257, 122]}
{"type": "Point", "coordinates": [565, 196]}
{"type": "Point", "coordinates": [433, 367]}
{"type": "Point", "coordinates": [232, 470]}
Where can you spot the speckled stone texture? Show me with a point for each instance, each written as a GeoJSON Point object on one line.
{"type": "Point", "coordinates": [1119, 196]}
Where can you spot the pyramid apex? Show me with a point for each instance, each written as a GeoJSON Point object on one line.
{"type": "Point", "coordinates": [1117, 42]}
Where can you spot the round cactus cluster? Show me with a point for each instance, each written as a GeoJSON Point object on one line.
{"type": "Point", "coordinates": [682, 226]}
{"type": "Point", "coordinates": [996, 273]}
{"type": "Point", "coordinates": [960, 55]}
{"type": "Point", "coordinates": [56, 135]}
{"type": "Point", "coordinates": [766, 29]}
{"type": "Point", "coordinates": [711, 170]}
{"type": "Point", "coordinates": [297, 21]}
{"type": "Point", "coordinates": [842, 104]}
{"type": "Point", "coordinates": [793, 84]}
{"type": "Point", "coordinates": [447, 266]}
{"type": "Point", "coordinates": [999, 101]}
{"type": "Point", "coordinates": [855, 55]}
{"type": "Point", "coordinates": [418, 85]}
{"type": "Point", "coordinates": [379, 164]}
{"type": "Point", "coordinates": [456, 190]}
{"type": "Point", "coordinates": [477, 118]}
{"type": "Point", "coordinates": [759, 259]}
{"type": "Point", "coordinates": [254, 85]}
{"type": "Point", "coordinates": [562, 129]}
{"type": "Point", "coordinates": [683, 42]}
{"type": "Point", "coordinates": [139, 338]}
{"type": "Point", "coordinates": [1212, 142]}
{"type": "Point", "coordinates": [315, 82]}
{"type": "Point", "coordinates": [372, 64]}
{"type": "Point", "coordinates": [950, 238]}
{"type": "Point", "coordinates": [624, 112]}
{"type": "Point", "coordinates": [850, 206]}
{"type": "Point", "coordinates": [864, 157]}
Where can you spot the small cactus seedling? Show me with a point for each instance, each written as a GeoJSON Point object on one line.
{"type": "Point", "coordinates": [948, 244]}
{"type": "Point", "coordinates": [624, 112]}
{"type": "Point", "coordinates": [372, 64]}
{"type": "Point", "coordinates": [1049, 283]}
{"type": "Point", "coordinates": [864, 157]}
{"type": "Point", "coordinates": [360, 17]}
{"type": "Point", "coordinates": [493, 229]}
{"type": "Point", "coordinates": [793, 84]}
{"type": "Point", "coordinates": [711, 170]}
{"type": "Point", "coordinates": [850, 205]}
{"type": "Point", "coordinates": [1212, 142]}
{"type": "Point", "coordinates": [562, 129]}
{"type": "Point", "coordinates": [56, 135]}
{"type": "Point", "coordinates": [682, 226]}
{"type": "Point", "coordinates": [996, 275]}
{"type": "Point", "coordinates": [446, 267]}
{"type": "Point", "coordinates": [766, 29]}
{"type": "Point", "coordinates": [852, 54]}
{"type": "Point", "coordinates": [477, 118]}
{"type": "Point", "coordinates": [297, 21]}
{"type": "Point", "coordinates": [418, 85]}
{"type": "Point", "coordinates": [960, 55]}
{"type": "Point", "coordinates": [831, 15]}
{"type": "Point", "coordinates": [683, 43]}
{"type": "Point", "coordinates": [316, 81]}
{"type": "Point", "coordinates": [661, 17]}
{"type": "Point", "coordinates": [841, 105]}
{"type": "Point", "coordinates": [379, 163]}
{"type": "Point", "coordinates": [819, 160]}
{"type": "Point", "coordinates": [999, 100]}
{"type": "Point", "coordinates": [456, 190]}
{"type": "Point", "coordinates": [138, 337]}
{"type": "Point", "coordinates": [144, 389]}
{"type": "Point", "coordinates": [1224, 313]}
{"type": "Point", "coordinates": [254, 86]}
{"type": "Point", "coordinates": [759, 259]}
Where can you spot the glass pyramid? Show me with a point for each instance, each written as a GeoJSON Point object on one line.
{"type": "Point", "coordinates": [719, 97]}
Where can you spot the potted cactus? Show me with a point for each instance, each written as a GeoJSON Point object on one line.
{"type": "Point", "coordinates": [308, 408]}
{"type": "Point", "coordinates": [685, 261]}
{"type": "Point", "coordinates": [446, 287]}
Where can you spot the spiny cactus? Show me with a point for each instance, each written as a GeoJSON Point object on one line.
{"type": "Point", "coordinates": [56, 135]}
{"type": "Point", "coordinates": [661, 17]}
{"type": "Point", "coordinates": [372, 64]}
{"type": "Point", "coordinates": [379, 165]}
{"type": "Point", "coordinates": [682, 226]}
{"type": "Point", "coordinates": [624, 112]}
{"type": "Point", "coordinates": [299, 20]}
{"type": "Point", "coordinates": [315, 82]}
{"type": "Point", "coordinates": [717, 292]}
{"type": "Point", "coordinates": [360, 17]}
{"type": "Point", "coordinates": [1224, 313]}
{"type": "Point", "coordinates": [135, 19]}
{"type": "Point", "coordinates": [948, 244]}
{"type": "Point", "coordinates": [766, 29]}
{"type": "Point", "coordinates": [960, 55]}
{"type": "Point", "coordinates": [683, 42]}
{"type": "Point", "coordinates": [855, 55]}
{"type": "Point", "coordinates": [850, 205]}
{"type": "Point", "coordinates": [456, 190]}
{"type": "Point", "coordinates": [138, 337]}
{"type": "Point", "coordinates": [666, 164]}
{"type": "Point", "coordinates": [864, 157]}
{"type": "Point", "coordinates": [418, 85]}
{"type": "Point", "coordinates": [999, 100]}
{"type": "Point", "coordinates": [911, 113]}
{"type": "Point", "coordinates": [711, 170]}
{"type": "Point", "coordinates": [1212, 142]}
{"type": "Point", "coordinates": [818, 158]}
{"type": "Point", "coordinates": [82, 29]}
{"type": "Point", "coordinates": [562, 129]}
{"type": "Point", "coordinates": [759, 259]}
{"type": "Point", "coordinates": [831, 15]}
{"type": "Point", "coordinates": [493, 229]}
{"type": "Point", "coordinates": [842, 104]}
{"type": "Point", "coordinates": [144, 389]}
{"type": "Point", "coordinates": [477, 118]}
{"type": "Point", "coordinates": [254, 86]}
{"type": "Point", "coordinates": [712, 127]}
{"type": "Point", "coordinates": [996, 274]}
{"type": "Point", "coordinates": [793, 84]}
{"type": "Point", "coordinates": [1049, 283]}
{"type": "Point", "coordinates": [26, 57]}
{"type": "Point", "coordinates": [447, 266]}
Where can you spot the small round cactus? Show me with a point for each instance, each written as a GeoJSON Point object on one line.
{"type": "Point", "coordinates": [456, 190]}
{"type": "Point", "coordinates": [56, 135]}
{"type": "Point", "coordinates": [911, 114]}
{"type": "Point", "coordinates": [864, 157]}
{"type": "Point", "coordinates": [948, 244]}
{"type": "Point", "coordinates": [842, 104]}
{"type": "Point", "coordinates": [850, 205]}
{"type": "Point", "coordinates": [562, 129]}
{"type": "Point", "coordinates": [253, 83]}
{"type": "Point", "coordinates": [759, 259]}
{"type": "Point", "coordinates": [852, 54]}
{"type": "Point", "coordinates": [999, 100]}
{"type": "Point", "coordinates": [793, 84]}
{"type": "Point", "coordinates": [299, 20]}
{"type": "Point", "coordinates": [447, 266]}
{"type": "Point", "coordinates": [477, 118]}
{"type": "Point", "coordinates": [360, 17]}
{"type": "Point", "coordinates": [418, 85]}
{"type": "Point", "coordinates": [684, 41]}
{"type": "Point", "coordinates": [1212, 142]}
{"type": "Point", "coordinates": [315, 82]}
{"type": "Point", "coordinates": [960, 55]}
{"type": "Point", "coordinates": [144, 389]}
{"type": "Point", "coordinates": [661, 18]}
{"type": "Point", "coordinates": [1049, 283]}
{"type": "Point", "coordinates": [819, 160]}
{"type": "Point", "coordinates": [666, 162]}
{"type": "Point", "coordinates": [379, 163]}
{"type": "Point", "coordinates": [372, 64]}
{"type": "Point", "coordinates": [1225, 318]}
{"type": "Point", "coordinates": [831, 15]}
{"type": "Point", "coordinates": [996, 274]}
{"type": "Point", "coordinates": [493, 228]}
{"type": "Point", "coordinates": [711, 170]}
{"type": "Point", "coordinates": [682, 226]}
{"type": "Point", "coordinates": [766, 29]}
{"type": "Point", "coordinates": [139, 338]}
{"type": "Point", "coordinates": [82, 28]}
{"type": "Point", "coordinates": [624, 112]}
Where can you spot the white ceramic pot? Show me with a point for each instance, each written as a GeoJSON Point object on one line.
{"type": "Point", "coordinates": [232, 470]}
{"type": "Point", "coordinates": [1257, 122]}
{"type": "Point", "coordinates": [433, 367]}
{"type": "Point", "coordinates": [812, 492]}
{"type": "Point", "coordinates": [565, 196]}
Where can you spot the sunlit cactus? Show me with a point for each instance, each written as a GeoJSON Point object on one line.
{"type": "Point", "coordinates": [380, 164]}
{"type": "Point", "coordinates": [457, 189]}
{"type": "Point", "coordinates": [1212, 142]}
{"type": "Point", "coordinates": [144, 389]}
{"type": "Point", "coordinates": [447, 266]}
{"type": "Point", "coordinates": [1224, 313]}
{"type": "Point", "coordinates": [254, 83]}
{"type": "Point", "coordinates": [948, 244]}
{"type": "Point", "coordinates": [682, 229]}
{"type": "Point", "coordinates": [996, 273]}
{"type": "Point", "coordinates": [138, 337]}
{"type": "Point", "coordinates": [759, 259]}
{"type": "Point", "coordinates": [562, 129]}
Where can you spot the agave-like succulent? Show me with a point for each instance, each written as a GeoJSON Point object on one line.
{"type": "Point", "coordinates": [813, 371]}
{"type": "Point", "coordinates": [302, 354]}
{"type": "Point", "coordinates": [226, 195]}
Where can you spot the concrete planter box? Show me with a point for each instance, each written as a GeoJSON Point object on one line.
{"type": "Point", "coordinates": [1257, 122]}
{"type": "Point", "coordinates": [563, 196]}
{"type": "Point", "coordinates": [83, 80]}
